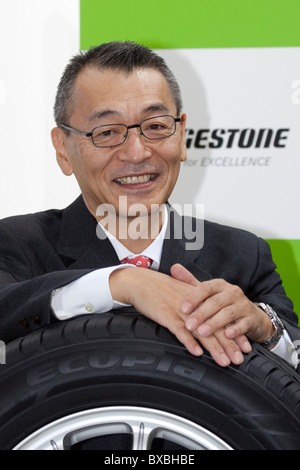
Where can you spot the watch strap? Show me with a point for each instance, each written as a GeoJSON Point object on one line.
{"type": "Point", "coordinates": [276, 322]}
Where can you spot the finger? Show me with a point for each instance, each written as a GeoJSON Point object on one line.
{"type": "Point", "coordinates": [186, 338]}
{"type": "Point", "coordinates": [243, 343]}
{"type": "Point", "coordinates": [212, 314]}
{"type": "Point", "coordinates": [225, 351]}
{"type": "Point", "coordinates": [241, 340]}
{"type": "Point", "coordinates": [219, 320]}
{"type": "Point", "coordinates": [231, 348]}
{"type": "Point", "coordinates": [213, 290]}
{"type": "Point", "coordinates": [180, 273]}
{"type": "Point", "coordinates": [240, 327]}
{"type": "Point", "coordinates": [216, 350]}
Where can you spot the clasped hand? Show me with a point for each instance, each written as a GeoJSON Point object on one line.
{"type": "Point", "coordinates": [213, 314]}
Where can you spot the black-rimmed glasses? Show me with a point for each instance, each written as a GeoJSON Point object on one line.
{"type": "Point", "coordinates": [112, 135]}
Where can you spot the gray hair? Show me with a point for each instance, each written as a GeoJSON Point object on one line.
{"type": "Point", "coordinates": [120, 56]}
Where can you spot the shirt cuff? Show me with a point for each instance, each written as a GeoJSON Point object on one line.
{"type": "Point", "coordinates": [88, 294]}
{"type": "Point", "coordinates": [285, 349]}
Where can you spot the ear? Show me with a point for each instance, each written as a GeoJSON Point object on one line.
{"type": "Point", "coordinates": [182, 130]}
{"type": "Point", "coordinates": [59, 142]}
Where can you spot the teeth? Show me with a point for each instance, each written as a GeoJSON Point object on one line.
{"type": "Point", "coordinates": [135, 179]}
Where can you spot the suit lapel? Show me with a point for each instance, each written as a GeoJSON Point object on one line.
{"type": "Point", "coordinates": [79, 245]}
{"type": "Point", "coordinates": [175, 248]}
{"type": "Point", "coordinates": [99, 254]}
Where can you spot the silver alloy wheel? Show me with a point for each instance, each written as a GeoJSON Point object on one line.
{"type": "Point", "coordinates": [143, 424]}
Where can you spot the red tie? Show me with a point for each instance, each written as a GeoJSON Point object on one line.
{"type": "Point", "coordinates": [139, 261]}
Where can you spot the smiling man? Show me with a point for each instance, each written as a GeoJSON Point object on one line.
{"type": "Point", "coordinates": [131, 160]}
{"type": "Point", "coordinates": [121, 132]}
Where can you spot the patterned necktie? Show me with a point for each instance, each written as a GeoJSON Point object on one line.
{"type": "Point", "coordinates": [139, 261]}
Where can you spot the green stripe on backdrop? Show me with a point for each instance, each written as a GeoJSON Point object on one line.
{"type": "Point", "coordinates": [286, 255]}
{"type": "Point", "coordinates": [172, 24]}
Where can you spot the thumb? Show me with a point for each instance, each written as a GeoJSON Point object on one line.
{"type": "Point", "coordinates": [180, 273]}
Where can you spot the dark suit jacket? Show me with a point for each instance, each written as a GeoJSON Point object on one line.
{"type": "Point", "coordinates": [44, 251]}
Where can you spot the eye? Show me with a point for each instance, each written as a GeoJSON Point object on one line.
{"type": "Point", "coordinates": [109, 135]}
{"type": "Point", "coordinates": [156, 126]}
{"type": "Point", "coordinates": [106, 133]}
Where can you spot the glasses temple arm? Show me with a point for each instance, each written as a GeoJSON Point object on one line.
{"type": "Point", "coordinates": [68, 128]}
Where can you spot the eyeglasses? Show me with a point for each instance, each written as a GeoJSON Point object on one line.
{"type": "Point", "coordinates": [112, 135]}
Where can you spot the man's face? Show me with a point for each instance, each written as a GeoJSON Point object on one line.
{"type": "Point", "coordinates": [106, 97]}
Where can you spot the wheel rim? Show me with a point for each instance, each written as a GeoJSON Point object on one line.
{"type": "Point", "coordinates": [143, 424]}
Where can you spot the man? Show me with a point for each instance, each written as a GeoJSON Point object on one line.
{"type": "Point", "coordinates": [121, 132]}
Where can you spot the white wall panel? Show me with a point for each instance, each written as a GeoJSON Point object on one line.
{"type": "Point", "coordinates": [254, 187]}
{"type": "Point", "coordinates": [37, 39]}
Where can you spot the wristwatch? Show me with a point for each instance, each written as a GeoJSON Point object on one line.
{"type": "Point", "coordinates": [276, 322]}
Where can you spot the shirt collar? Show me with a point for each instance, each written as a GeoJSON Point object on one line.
{"type": "Point", "coordinates": [153, 251]}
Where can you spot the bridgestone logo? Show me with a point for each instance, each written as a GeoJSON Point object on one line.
{"type": "Point", "coordinates": [238, 138]}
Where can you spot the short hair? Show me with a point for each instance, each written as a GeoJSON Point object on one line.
{"type": "Point", "coordinates": [120, 56]}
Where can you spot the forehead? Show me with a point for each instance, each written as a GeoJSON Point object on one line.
{"type": "Point", "coordinates": [137, 93]}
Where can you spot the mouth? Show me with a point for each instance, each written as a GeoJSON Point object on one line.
{"type": "Point", "coordinates": [141, 179]}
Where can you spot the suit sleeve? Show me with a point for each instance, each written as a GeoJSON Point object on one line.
{"type": "Point", "coordinates": [24, 296]}
{"type": "Point", "coordinates": [266, 286]}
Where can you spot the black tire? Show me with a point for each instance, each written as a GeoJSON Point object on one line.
{"type": "Point", "coordinates": [125, 362]}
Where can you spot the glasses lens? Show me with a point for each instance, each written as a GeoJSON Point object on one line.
{"type": "Point", "coordinates": [158, 127]}
{"type": "Point", "coordinates": [109, 135]}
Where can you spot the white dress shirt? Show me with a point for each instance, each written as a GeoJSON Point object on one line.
{"type": "Point", "coordinates": [91, 293]}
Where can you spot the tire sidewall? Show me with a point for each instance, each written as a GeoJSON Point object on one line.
{"type": "Point", "coordinates": [155, 373]}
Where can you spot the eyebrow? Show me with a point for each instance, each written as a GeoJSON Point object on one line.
{"type": "Point", "coordinates": [102, 114]}
{"type": "Point", "coordinates": [159, 107]}
{"type": "Point", "coordinates": [97, 115]}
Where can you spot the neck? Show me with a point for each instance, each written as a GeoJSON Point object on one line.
{"type": "Point", "coordinates": [136, 233]}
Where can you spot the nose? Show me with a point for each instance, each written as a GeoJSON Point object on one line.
{"type": "Point", "coordinates": [136, 148]}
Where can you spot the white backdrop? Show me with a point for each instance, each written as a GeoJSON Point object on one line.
{"type": "Point", "coordinates": [233, 94]}
{"type": "Point", "coordinates": [37, 38]}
